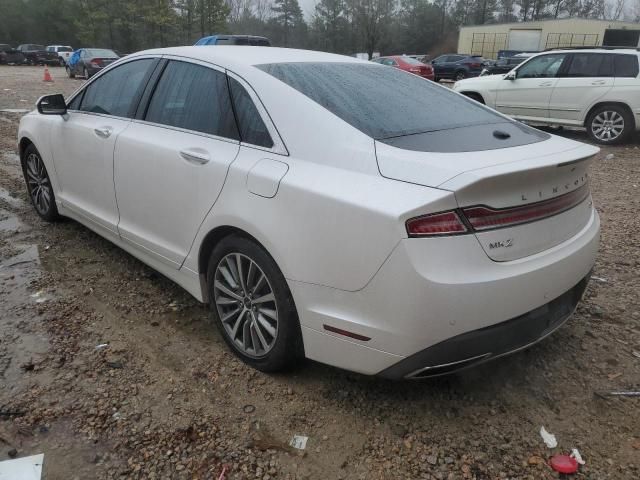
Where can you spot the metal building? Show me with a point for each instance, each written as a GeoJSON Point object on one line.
{"type": "Point", "coordinates": [488, 40]}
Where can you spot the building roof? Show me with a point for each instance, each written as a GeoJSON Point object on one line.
{"type": "Point", "coordinates": [617, 23]}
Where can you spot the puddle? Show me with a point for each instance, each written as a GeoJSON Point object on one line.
{"type": "Point", "coordinates": [10, 199]}
{"type": "Point", "coordinates": [10, 223]}
{"type": "Point", "coordinates": [11, 157]}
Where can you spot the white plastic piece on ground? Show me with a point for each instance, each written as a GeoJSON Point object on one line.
{"type": "Point", "coordinates": [26, 468]}
{"type": "Point", "coordinates": [299, 442]}
{"type": "Point", "coordinates": [576, 454]}
{"type": "Point", "coordinates": [549, 439]}
{"type": "Point", "coordinates": [609, 157]}
{"type": "Point", "coordinates": [599, 279]}
{"type": "Point", "coordinates": [101, 346]}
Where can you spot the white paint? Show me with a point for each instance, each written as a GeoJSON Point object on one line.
{"type": "Point", "coordinates": [26, 468]}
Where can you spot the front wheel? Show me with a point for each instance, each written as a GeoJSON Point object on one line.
{"type": "Point", "coordinates": [609, 124]}
{"type": "Point", "coordinates": [252, 305]}
{"type": "Point", "coordinates": [460, 75]}
{"type": "Point", "coordinates": [39, 185]}
{"type": "Point", "coordinates": [70, 74]}
{"type": "Point", "coordinates": [61, 62]}
{"type": "Point", "coordinates": [85, 73]}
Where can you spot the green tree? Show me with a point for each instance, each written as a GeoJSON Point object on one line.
{"type": "Point", "coordinates": [288, 18]}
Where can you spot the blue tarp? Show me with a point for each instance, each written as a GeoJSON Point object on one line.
{"type": "Point", "coordinates": [74, 58]}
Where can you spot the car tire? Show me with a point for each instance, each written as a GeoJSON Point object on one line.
{"type": "Point", "coordinates": [610, 124]}
{"type": "Point", "coordinates": [460, 75]}
{"type": "Point", "coordinates": [266, 334]}
{"type": "Point", "coordinates": [39, 185]}
{"type": "Point", "coordinates": [85, 73]}
{"type": "Point", "coordinates": [70, 74]}
{"type": "Point", "coordinates": [61, 62]}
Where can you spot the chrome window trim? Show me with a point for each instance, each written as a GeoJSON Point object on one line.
{"type": "Point", "coordinates": [185, 130]}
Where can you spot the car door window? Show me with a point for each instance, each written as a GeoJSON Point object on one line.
{"type": "Point", "coordinates": [195, 98]}
{"type": "Point", "coordinates": [544, 66]}
{"type": "Point", "coordinates": [116, 92]}
{"type": "Point", "coordinates": [590, 65]}
{"type": "Point", "coordinates": [252, 128]}
{"type": "Point", "coordinates": [626, 65]}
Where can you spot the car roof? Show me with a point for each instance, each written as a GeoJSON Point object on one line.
{"type": "Point", "coordinates": [249, 55]}
{"type": "Point", "coordinates": [592, 50]}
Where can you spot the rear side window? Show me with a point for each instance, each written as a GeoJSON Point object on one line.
{"type": "Point", "coordinates": [590, 65]}
{"type": "Point", "coordinates": [117, 91]}
{"type": "Point", "coordinates": [195, 98]}
{"type": "Point", "coordinates": [626, 65]}
{"type": "Point", "coordinates": [381, 102]}
{"type": "Point", "coordinates": [222, 41]}
{"type": "Point", "coordinates": [252, 128]}
{"type": "Point", "coordinates": [544, 66]}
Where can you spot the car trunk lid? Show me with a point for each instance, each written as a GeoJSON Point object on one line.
{"type": "Point", "coordinates": [518, 201]}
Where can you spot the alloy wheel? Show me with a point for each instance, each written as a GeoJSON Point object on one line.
{"type": "Point", "coordinates": [246, 304]}
{"type": "Point", "coordinates": [607, 125]}
{"type": "Point", "coordinates": [39, 184]}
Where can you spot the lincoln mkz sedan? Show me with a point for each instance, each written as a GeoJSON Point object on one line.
{"type": "Point", "coordinates": [324, 206]}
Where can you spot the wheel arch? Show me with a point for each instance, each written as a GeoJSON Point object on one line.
{"type": "Point", "coordinates": [471, 94]}
{"type": "Point", "coordinates": [614, 103]}
{"type": "Point", "coordinates": [209, 242]}
{"type": "Point", "coordinates": [24, 142]}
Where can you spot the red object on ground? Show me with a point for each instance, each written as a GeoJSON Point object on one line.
{"type": "Point", "coordinates": [47, 75]}
{"type": "Point", "coordinates": [564, 464]}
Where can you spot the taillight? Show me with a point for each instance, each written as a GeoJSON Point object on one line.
{"type": "Point", "coordinates": [443, 223]}
{"type": "Point", "coordinates": [96, 62]}
{"type": "Point", "coordinates": [486, 218]}
{"type": "Point", "coordinates": [482, 218]}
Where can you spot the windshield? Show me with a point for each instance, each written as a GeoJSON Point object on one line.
{"type": "Point", "coordinates": [381, 102]}
{"type": "Point", "coordinates": [101, 52]}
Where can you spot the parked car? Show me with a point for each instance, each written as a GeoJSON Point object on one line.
{"type": "Point", "coordinates": [63, 52]}
{"type": "Point", "coordinates": [89, 61]}
{"type": "Point", "coordinates": [408, 64]}
{"type": "Point", "coordinates": [401, 229]}
{"type": "Point", "coordinates": [421, 58]}
{"type": "Point", "coordinates": [510, 53]}
{"type": "Point", "coordinates": [593, 88]}
{"type": "Point", "coordinates": [8, 55]}
{"type": "Point", "coordinates": [457, 67]}
{"type": "Point", "coordinates": [37, 55]}
{"type": "Point", "coordinates": [234, 40]}
{"type": "Point", "coordinates": [504, 65]}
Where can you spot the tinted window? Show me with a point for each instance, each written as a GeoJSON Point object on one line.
{"type": "Point", "coordinates": [626, 65]}
{"type": "Point", "coordinates": [222, 41]}
{"type": "Point", "coordinates": [252, 128]}
{"type": "Point", "coordinates": [412, 61]}
{"type": "Point", "coordinates": [101, 52]}
{"type": "Point", "coordinates": [260, 42]}
{"type": "Point", "coordinates": [590, 65]}
{"type": "Point", "coordinates": [195, 98]}
{"type": "Point", "coordinates": [75, 103]}
{"type": "Point", "coordinates": [543, 66]}
{"type": "Point", "coordinates": [381, 102]}
{"type": "Point", "coordinates": [241, 41]}
{"type": "Point", "coordinates": [115, 92]}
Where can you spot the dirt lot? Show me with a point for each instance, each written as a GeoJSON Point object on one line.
{"type": "Point", "coordinates": [165, 399]}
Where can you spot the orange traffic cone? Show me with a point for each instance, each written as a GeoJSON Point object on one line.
{"type": "Point", "coordinates": [47, 75]}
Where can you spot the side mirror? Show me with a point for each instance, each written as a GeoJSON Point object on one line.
{"type": "Point", "coordinates": [52, 105]}
{"type": "Point", "coordinates": [510, 76]}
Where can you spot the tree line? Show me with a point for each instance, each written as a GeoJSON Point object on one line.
{"type": "Point", "coordinates": [340, 26]}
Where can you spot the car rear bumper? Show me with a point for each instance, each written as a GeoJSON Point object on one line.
{"type": "Point", "coordinates": [478, 346]}
{"type": "Point", "coordinates": [432, 295]}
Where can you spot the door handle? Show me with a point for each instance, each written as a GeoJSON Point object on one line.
{"type": "Point", "coordinates": [104, 132]}
{"type": "Point", "coordinates": [546, 84]}
{"type": "Point", "coordinates": [195, 156]}
{"type": "Point", "coordinates": [598, 82]}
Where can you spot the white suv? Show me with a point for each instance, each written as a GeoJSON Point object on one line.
{"type": "Point", "coordinates": [63, 52]}
{"type": "Point", "coordinates": [597, 89]}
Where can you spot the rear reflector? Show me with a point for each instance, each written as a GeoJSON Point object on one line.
{"type": "Point", "coordinates": [486, 218]}
{"type": "Point", "coordinates": [346, 333]}
{"type": "Point", "coordinates": [445, 223]}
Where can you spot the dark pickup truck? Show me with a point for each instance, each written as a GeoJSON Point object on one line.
{"type": "Point", "coordinates": [8, 55]}
{"type": "Point", "coordinates": [37, 54]}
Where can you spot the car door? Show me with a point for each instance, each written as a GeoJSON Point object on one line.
{"type": "Point", "coordinates": [83, 140]}
{"type": "Point", "coordinates": [526, 93]}
{"type": "Point", "coordinates": [586, 78]}
{"type": "Point", "coordinates": [171, 163]}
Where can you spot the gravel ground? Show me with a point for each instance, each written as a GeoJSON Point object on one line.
{"type": "Point", "coordinates": [165, 398]}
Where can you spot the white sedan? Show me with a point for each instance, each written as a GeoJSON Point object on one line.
{"type": "Point", "coordinates": [325, 207]}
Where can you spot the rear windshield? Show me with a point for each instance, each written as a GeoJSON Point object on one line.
{"type": "Point", "coordinates": [65, 49]}
{"type": "Point", "coordinates": [382, 102]}
{"type": "Point", "coordinates": [99, 52]}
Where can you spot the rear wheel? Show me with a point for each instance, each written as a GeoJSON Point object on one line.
{"type": "Point", "coordinates": [85, 73]}
{"type": "Point", "coordinates": [70, 74]}
{"type": "Point", "coordinates": [609, 124]}
{"type": "Point", "coordinates": [252, 305]}
{"type": "Point", "coordinates": [39, 185]}
{"type": "Point", "coordinates": [460, 75]}
{"type": "Point", "coordinates": [61, 62]}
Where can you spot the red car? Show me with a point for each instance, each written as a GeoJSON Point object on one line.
{"type": "Point", "coordinates": [408, 64]}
